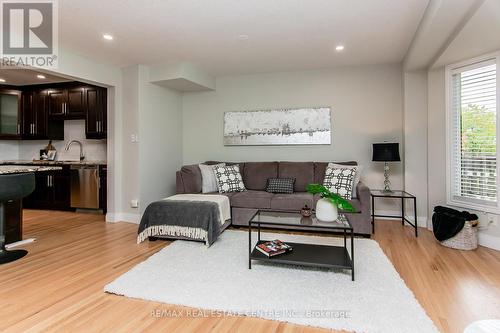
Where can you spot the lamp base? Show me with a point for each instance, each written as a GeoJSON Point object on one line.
{"type": "Point", "coordinates": [387, 182]}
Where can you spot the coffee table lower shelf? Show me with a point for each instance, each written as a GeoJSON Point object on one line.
{"type": "Point", "coordinates": [312, 255]}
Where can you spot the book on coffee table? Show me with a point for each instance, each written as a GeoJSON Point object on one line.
{"type": "Point", "coordinates": [273, 248]}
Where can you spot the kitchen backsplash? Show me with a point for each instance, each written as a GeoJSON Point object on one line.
{"type": "Point", "coordinates": [95, 150]}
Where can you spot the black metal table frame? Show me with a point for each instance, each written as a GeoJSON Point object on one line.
{"type": "Point", "coordinates": [402, 216]}
{"type": "Point", "coordinates": [318, 228]}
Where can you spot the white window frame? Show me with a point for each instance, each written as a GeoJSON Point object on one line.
{"type": "Point", "coordinates": [451, 200]}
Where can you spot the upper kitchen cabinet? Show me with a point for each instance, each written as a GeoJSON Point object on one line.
{"type": "Point", "coordinates": [10, 114]}
{"type": "Point", "coordinates": [68, 103]}
{"type": "Point", "coordinates": [36, 125]}
{"type": "Point", "coordinates": [96, 113]}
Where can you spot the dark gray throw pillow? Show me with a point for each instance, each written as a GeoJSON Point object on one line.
{"type": "Point", "coordinates": [280, 185]}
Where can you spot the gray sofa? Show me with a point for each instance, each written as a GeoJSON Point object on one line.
{"type": "Point", "coordinates": [255, 176]}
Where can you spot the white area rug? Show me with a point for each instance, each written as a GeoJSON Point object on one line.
{"type": "Point", "coordinates": [218, 278]}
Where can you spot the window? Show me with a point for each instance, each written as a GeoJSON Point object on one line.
{"type": "Point", "coordinates": [472, 130]}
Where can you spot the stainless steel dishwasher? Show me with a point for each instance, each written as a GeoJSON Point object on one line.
{"type": "Point", "coordinates": [85, 186]}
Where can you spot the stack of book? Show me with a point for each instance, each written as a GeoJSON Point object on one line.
{"type": "Point", "coordinates": [274, 248]}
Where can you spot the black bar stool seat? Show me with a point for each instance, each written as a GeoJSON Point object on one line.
{"type": "Point", "coordinates": [12, 187]}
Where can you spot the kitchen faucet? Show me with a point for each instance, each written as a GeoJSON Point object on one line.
{"type": "Point", "coordinates": [82, 156]}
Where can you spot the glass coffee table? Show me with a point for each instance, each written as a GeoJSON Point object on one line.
{"type": "Point", "coordinates": [313, 255]}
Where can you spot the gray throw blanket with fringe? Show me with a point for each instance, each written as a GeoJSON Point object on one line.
{"type": "Point", "coordinates": [178, 218]}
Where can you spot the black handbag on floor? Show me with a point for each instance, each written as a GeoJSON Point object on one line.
{"type": "Point", "coordinates": [447, 222]}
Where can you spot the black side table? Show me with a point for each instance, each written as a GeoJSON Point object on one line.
{"type": "Point", "coordinates": [398, 194]}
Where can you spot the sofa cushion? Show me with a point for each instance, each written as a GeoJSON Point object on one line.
{"type": "Point", "coordinates": [280, 185]}
{"type": "Point", "coordinates": [252, 199]}
{"type": "Point", "coordinates": [303, 172]}
{"type": "Point", "coordinates": [228, 178]}
{"type": "Point", "coordinates": [340, 181]}
{"type": "Point", "coordinates": [320, 169]}
{"type": "Point", "coordinates": [256, 174]}
{"type": "Point", "coordinates": [294, 201]}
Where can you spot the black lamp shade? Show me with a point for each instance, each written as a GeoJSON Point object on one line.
{"type": "Point", "coordinates": [386, 152]}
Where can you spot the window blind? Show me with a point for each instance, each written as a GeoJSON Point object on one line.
{"type": "Point", "coordinates": [474, 133]}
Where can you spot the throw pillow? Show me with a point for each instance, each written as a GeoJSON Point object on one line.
{"type": "Point", "coordinates": [208, 181]}
{"type": "Point", "coordinates": [357, 178]}
{"type": "Point", "coordinates": [280, 185]}
{"type": "Point", "coordinates": [340, 181]}
{"type": "Point", "coordinates": [229, 179]}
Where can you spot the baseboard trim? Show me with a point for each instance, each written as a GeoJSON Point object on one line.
{"type": "Point", "coordinates": [123, 217]}
{"type": "Point", "coordinates": [422, 220]}
{"type": "Point", "coordinates": [489, 241]}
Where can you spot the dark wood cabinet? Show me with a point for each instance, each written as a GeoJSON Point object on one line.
{"type": "Point", "coordinates": [96, 113]}
{"type": "Point", "coordinates": [36, 124]}
{"type": "Point", "coordinates": [67, 103]}
{"type": "Point", "coordinates": [52, 191]}
{"type": "Point", "coordinates": [56, 102]}
{"type": "Point", "coordinates": [38, 112]}
{"type": "Point", "coordinates": [103, 188]}
{"type": "Point", "coordinates": [13, 221]}
{"type": "Point", "coordinates": [75, 104]}
{"type": "Point", "coordinates": [10, 113]}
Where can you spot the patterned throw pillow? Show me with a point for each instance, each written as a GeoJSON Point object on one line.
{"type": "Point", "coordinates": [229, 178]}
{"type": "Point", "coordinates": [280, 185]}
{"type": "Point", "coordinates": [340, 181]}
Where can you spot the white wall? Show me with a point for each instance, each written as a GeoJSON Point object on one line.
{"type": "Point", "coordinates": [415, 142]}
{"type": "Point", "coordinates": [366, 105]}
{"type": "Point", "coordinates": [160, 136]}
{"type": "Point", "coordinates": [436, 147]}
{"type": "Point", "coordinates": [130, 150]}
{"type": "Point", "coordinates": [9, 150]}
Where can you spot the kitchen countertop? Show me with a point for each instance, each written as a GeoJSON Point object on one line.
{"type": "Point", "coordinates": [10, 169]}
{"type": "Point", "coordinates": [39, 162]}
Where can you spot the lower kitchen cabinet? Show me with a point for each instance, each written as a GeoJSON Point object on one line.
{"type": "Point", "coordinates": [52, 191]}
{"type": "Point", "coordinates": [103, 188]}
{"type": "Point", "coordinates": [13, 221]}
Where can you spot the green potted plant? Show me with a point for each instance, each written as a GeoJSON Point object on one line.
{"type": "Point", "coordinates": [327, 207]}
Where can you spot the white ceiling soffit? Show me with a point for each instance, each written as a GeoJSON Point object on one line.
{"type": "Point", "coordinates": [182, 77]}
{"type": "Point", "coordinates": [481, 35]}
{"type": "Point", "coordinates": [279, 35]}
{"type": "Point", "coordinates": [22, 77]}
{"type": "Point", "coordinates": [442, 21]}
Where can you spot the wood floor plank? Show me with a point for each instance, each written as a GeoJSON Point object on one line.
{"type": "Point", "coordinates": [58, 286]}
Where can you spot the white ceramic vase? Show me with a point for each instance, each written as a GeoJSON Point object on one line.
{"type": "Point", "coordinates": [326, 211]}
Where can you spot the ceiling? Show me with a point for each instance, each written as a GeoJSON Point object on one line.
{"type": "Point", "coordinates": [22, 77]}
{"type": "Point", "coordinates": [282, 34]}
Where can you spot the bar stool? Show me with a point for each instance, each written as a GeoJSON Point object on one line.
{"type": "Point", "coordinates": [12, 187]}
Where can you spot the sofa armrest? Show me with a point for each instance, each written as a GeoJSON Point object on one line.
{"type": "Point", "coordinates": [363, 193]}
{"type": "Point", "coordinates": [179, 184]}
{"type": "Point", "coordinates": [188, 179]}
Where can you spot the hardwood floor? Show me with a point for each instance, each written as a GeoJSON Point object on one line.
{"type": "Point", "coordinates": [58, 286]}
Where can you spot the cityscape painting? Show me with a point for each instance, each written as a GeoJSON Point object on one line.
{"type": "Point", "coordinates": [301, 126]}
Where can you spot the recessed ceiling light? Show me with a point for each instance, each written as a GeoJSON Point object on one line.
{"type": "Point", "coordinates": [339, 48]}
{"type": "Point", "coordinates": [243, 37]}
{"type": "Point", "coordinates": [2, 80]}
{"type": "Point", "coordinates": [107, 37]}
{"type": "Point", "coordinates": [40, 76]}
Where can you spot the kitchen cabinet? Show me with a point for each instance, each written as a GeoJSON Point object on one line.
{"type": "Point", "coordinates": [66, 103]}
{"type": "Point", "coordinates": [13, 221]}
{"type": "Point", "coordinates": [10, 114]}
{"type": "Point", "coordinates": [103, 188]}
{"type": "Point", "coordinates": [96, 113]}
{"type": "Point", "coordinates": [52, 191]}
{"type": "Point", "coordinates": [36, 125]}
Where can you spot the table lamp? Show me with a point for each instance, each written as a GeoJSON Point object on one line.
{"type": "Point", "coordinates": [386, 152]}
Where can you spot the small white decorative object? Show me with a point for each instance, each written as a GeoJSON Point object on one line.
{"type": "Point", "coordinates": [326, 211]}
